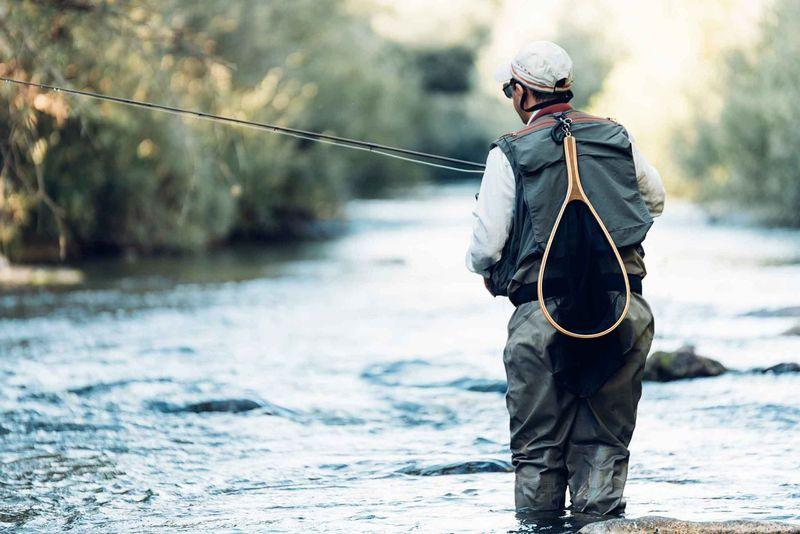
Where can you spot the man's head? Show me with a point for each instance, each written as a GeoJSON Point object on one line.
{"type": "Point", "coordinates": [540, 74]}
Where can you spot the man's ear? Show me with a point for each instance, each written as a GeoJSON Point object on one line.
{"type": "Point", "coordinates": [523, 97]}
{"type": "Point", "coordinates": [519, 95]}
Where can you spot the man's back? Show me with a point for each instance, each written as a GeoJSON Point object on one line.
{"type": "Point", "coordinates": [571, 401]}
{"type": "Point", "coordinates": [609, 171]}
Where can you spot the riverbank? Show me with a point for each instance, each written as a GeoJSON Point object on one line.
{"type": "Point", "coordinates": [16, 276]}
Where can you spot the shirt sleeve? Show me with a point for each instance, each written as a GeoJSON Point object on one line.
{"type": "Point", "coordinates": [649, 181]}
{"type": "Point", "coordinates": [493, 213]}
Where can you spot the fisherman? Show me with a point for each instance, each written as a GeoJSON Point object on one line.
{"type": "Point", "coordinates": [563, 436]}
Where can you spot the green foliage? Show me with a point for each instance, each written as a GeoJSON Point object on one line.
{"type": "Point", "coordinates": [748, 155]}
{"type": "Point", "coordinates": [101, 177]}
{"type": "Point", "coordinates": [447, 70]}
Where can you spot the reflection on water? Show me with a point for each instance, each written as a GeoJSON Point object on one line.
{"type": "Point", "coordinates": [357, 384]}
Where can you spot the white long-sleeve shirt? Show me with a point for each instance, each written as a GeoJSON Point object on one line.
{"type": "Point", "coordinates": [494, 211]}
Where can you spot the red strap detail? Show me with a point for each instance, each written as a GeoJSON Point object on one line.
{"type": "Point", "coordinates": [543, 121]}
{"type": "Point", "coordinates": [555, 108]}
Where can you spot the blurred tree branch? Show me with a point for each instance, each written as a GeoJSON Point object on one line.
{"type": "Point", "coordinates": [95, 177]}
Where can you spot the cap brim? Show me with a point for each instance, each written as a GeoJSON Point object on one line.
{"type": "Point", "coordinates": [503, 72]}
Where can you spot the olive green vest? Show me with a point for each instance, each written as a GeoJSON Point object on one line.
{"type": "Point", "coordinates": [608, 177]}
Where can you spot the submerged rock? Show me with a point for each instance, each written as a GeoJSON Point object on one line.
{"type": "Point", "coordinates": [391, 373]}
{"type": "Point", "coordinates": [683, 363]}
{"type": "Point", "coordinates": [219, 405]}
{"type": "Point", "coordinates": [788, 311]}
{"type": "Point", "coordinates": [460, 468]}
{"type": "Point", "coordinates": [667, 525]}
{"type": "Point", "coordinates": [793, 331]}
{"type": "Point", "coordinates": [223, 405]}
{"type": "Point", "coordinates": [480, 385]}
{"type": "Point", "coordinates": [65, 426]}
{"type": "Point", "coordinates": [103, 387]}
{"type": "Point", "coordinates": [781, 368]}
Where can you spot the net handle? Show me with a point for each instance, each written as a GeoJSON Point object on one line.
{"type": "Point", "coordinates": [575, 192]}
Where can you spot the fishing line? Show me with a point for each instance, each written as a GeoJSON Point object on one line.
{"type": "Point", "coordinates": [376, 148]}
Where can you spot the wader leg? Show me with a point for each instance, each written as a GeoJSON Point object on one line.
{"type": "Point", "coordinates": [541, 414]}
{"type": "Point", "coordinates": [557, 437]}
{"type": "Point", "coordinates": [597, 447]}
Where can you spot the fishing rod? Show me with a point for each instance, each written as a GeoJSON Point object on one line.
{"type": "Point", "coordinates": [376, 148]}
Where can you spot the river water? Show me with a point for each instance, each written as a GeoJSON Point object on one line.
{"type": "Point", "coordinates": [311, 388]}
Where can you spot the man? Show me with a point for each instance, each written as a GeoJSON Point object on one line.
{"type": "Point", "coordinates": [561, 439]}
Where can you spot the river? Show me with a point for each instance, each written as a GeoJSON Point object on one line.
{"type": "Point", "coordinates": [309, 387]}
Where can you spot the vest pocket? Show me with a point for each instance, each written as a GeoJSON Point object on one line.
{"type": "Point", "coordinates": [610, 185]}
{"type": "Point", "coordinates": [544, 192]}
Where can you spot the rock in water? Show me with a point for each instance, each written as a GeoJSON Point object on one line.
{"type": "Point", "coordinates": [793, 331]}
{"type": "Point", "coordinates": [209, 406]}
{"type": "Point", "coordinates": [480, 385]}
{"type": "Point", "coordinates": [460, 468]}
{"type": "Point", "coordinates": [789, 311]}
{"type": "Point", "coordinates": [223, 405]}
{"type": "Point", "coordinates": [683, 363]}
{"type": "Point", "coordinates": [667, 525]}
{"type": "Point", "coordinates": [781, 368]}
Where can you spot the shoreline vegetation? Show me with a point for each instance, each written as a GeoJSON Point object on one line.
{"type": "Point", "coordinates": [743, 159]}
{"type": "Point", "coordinates": [83, 179]}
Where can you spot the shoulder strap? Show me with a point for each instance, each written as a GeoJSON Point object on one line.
{"type": "Point", "coordinates": [549, 120]}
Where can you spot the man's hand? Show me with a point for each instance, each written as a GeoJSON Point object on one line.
{"type": "Point", "coordinates": [487, 285]}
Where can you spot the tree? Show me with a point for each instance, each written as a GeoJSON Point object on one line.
{"type": "Point", "coordinates": [101, 177]}
{"type": "Point", "coordinates": [747, 156]}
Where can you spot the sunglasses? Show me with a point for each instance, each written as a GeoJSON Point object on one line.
{"type": "Point", "coordinates": [508, 88]}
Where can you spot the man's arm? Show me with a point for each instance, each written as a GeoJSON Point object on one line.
{"type": "Point", "coordinates": [493, 213]}
{"type": "Point", "coordinates": [649, 181]}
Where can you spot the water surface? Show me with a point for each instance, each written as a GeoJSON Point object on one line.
{"type": "Point", "coordinates": [311, 387]}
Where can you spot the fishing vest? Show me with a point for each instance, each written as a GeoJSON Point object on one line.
{"type": "Point", "coordinates": [608, 176]}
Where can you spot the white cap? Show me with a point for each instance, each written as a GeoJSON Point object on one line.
{"type": "Point", "coordinates": [540, 65]}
